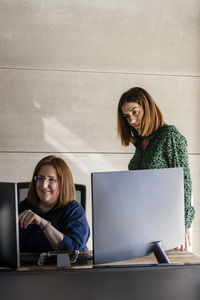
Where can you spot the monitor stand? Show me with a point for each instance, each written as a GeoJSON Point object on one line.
{"type": "Point", "coordinates": [154, 247]}
{"type": "Point", "coordinates": [62, 258]}
{"type": "Point", "coordinates": [159, 253]}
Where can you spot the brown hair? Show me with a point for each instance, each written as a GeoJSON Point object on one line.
{"type": "Point", "coordinates": [65, 180]}
{"type": "Point", "coordinates": [152, 117]}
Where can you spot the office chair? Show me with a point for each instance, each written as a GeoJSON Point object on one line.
{"type": "Point", "coordinates": [22, 192]}
{"type": "Point", "coordinates": [81, 194]}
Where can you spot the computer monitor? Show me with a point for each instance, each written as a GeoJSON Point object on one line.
{"type": "Point", "coordinates": [134, 209]}
{"type": "Point", "coordinates": [9, 234]}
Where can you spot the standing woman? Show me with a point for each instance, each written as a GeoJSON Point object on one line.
{"type": "Point", "coordinates": [158, 145]}
{"type": "Point", "coordinates": [50, 218]}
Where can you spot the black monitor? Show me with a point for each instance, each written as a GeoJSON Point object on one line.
{"type": "Point", "coordinates": [9, 234]}
{"type": "Point", "coordinates": [133, 210]}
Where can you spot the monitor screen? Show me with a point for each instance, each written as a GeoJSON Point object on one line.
{"type": "Point", "coordinates": [9, 241]}
{"type": "Point", "coordinates": [134, 209]}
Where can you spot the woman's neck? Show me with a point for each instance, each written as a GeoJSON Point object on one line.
{"type": "Point", "coordinates": [144, 144]}
{"type": "Point", "coordinates": [45, 207]}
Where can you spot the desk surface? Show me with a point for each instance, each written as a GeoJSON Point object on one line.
{"type": "Point", "coordinates": [175, 257]}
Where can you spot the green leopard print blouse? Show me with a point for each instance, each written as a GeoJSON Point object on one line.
{"type": "Point", "coordinates": [167, 148]}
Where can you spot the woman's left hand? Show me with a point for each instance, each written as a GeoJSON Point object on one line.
{"type": "Point", "coordinates": [187, 238]}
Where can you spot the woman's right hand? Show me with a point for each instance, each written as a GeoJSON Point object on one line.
{"type": "Point", "coordinates": [28, 217]}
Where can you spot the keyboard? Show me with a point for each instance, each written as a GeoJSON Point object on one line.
{"type": "Point", "coordinates": [46, 258]}
{"type": "Point", "coordinates": [29, 258]}
{"type": "Point", "coordinates": [84, 258]}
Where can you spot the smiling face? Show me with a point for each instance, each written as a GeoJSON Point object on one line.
{"type": "Point", "coordinates": [133, 113]}
{"type": "Point", "coordinates": [47, 187]}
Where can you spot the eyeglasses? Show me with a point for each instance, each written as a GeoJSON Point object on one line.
{"type": "Point", "coordinates": [42, 179]}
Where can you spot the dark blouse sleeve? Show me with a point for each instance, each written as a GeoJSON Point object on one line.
{"type": "Point", "coordinates": [177, 155]}
{"type": "Point", "coordinates": [75, 228]}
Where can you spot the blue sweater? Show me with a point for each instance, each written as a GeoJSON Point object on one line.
{"type": "Point", "coordinates": [70, 220]}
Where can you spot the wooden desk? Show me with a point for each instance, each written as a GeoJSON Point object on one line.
{"type": "Point", "coordinates": [175, 257]}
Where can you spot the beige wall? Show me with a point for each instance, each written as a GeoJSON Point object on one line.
{"type": "Point", "coordinates": [63, 67]}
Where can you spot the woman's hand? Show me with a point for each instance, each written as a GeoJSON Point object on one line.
{"type": "Point", "coordinates": [54, 236]}
{"type": "Point", "coordinates": [28, 217]}
{"type": "Point", "coordinates": [187, 238]}
{"type": "Point", "coordinates": [187, 241]}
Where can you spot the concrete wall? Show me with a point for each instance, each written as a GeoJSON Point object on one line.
{"type": "Point", "coordinates": [63, 67]}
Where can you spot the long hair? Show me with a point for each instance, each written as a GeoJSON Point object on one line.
{"type": "Point", "coordinates": [152, 117]}
{"type": "Point", "coordinates": [65, 181]}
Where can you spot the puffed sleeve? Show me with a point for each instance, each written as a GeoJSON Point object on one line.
{"type": "Point", "coordinates": [75, 228]}
{"type": "Point", "coordinates": [177, 156]}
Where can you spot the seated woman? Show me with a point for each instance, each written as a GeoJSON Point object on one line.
{"type": "Point", "coordinates": [50, 218]}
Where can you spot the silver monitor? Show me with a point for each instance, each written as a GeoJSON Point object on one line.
{"type": "Point", "coordinates": [134, 209]}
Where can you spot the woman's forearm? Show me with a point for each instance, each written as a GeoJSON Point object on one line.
{"type": "Point", "coordinates": [54, 236]}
